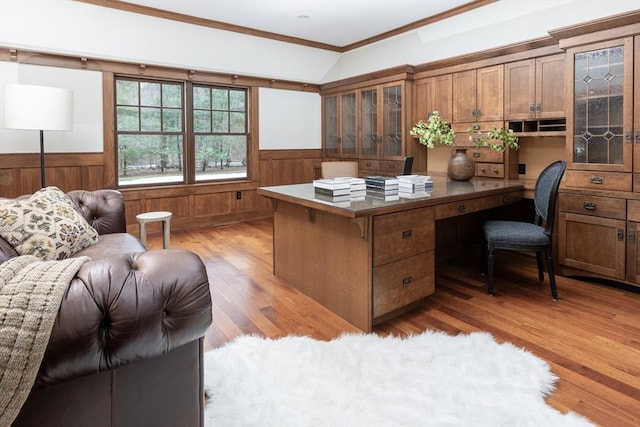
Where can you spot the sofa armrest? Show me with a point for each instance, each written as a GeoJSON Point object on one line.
{"type": "Point", "coordinates": [103, 209]}
{"type": "Point", "coordinates": [126, 308]}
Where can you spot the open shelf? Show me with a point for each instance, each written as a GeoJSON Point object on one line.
{"type": "Point", "coordinates": [542, 127]}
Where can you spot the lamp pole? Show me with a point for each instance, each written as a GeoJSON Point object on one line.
{"type": "Point", "coordinates": [42, 172]}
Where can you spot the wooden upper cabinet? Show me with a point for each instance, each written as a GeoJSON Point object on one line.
{"type": "Point", "coordinates": [636, 117]}
{"type": "Point", "coordinates": [600, 116]}
{"type": "Point", "coordinates": [434, 94]}
{"type": "Point", "coordinates": [478, 95]}
{"type": "Point", "coordinates": [534, 88]}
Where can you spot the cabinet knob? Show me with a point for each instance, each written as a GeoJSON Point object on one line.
{"type": "Point", "coordinates": [632, 235]}
{"type": "Point", "coordinates": [407, 234]}
{"type": "Point", "coordinates": [627, 137]}
{"type": "Point", "coordinates": [476, 154]}
{"type": "Point", "coordinates": [505, 200]}
{"type": "Point", "coordinates": [482, 170]}
{"type": "Point", "coordinates": [590, 206]}
{"type": "Point", "coordinates": [532, 108]}
{"type": "Point", "coordinates": [406, 281]}
{"type": "Point", "coordinates": [637, 136]}
{"type": "Point", "coordinates": [538, 108]}
{"type": "Point", "coordinates": [462, 208]}
{"type": "Point", "coordinates": [620, 234]}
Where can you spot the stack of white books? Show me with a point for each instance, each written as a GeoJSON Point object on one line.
{"type": "Point", "coordinates": [333, 189]}
{"type": "Point", "coordinates": [414, 186]}
{"type": "Point", "coordinates": [358, 189]}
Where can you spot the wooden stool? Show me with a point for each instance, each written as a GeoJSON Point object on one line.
{"type": "Point", "coordinates": [146, 217]}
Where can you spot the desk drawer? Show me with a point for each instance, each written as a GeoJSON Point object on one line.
{"type": "Point", "coordinates": [402, 282]}
{"type": "Point", "coordinates": [597, 180]}
{"type": "Point", "coordinates": [462, 207]}
{"type": "Point", "coordinates": [605, 207]}
{"type": "Point", "coordinates": [390, 167]}
{"type": "Point", "coordinates": [491, 170]}
{"type": "Point", "coordinates": [486, 155]}
{"type": "Point", "coordinates": [402, 234]}
{"type": "Point", "coordinates": [368, 167]}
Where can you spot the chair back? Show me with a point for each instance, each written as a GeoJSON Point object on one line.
{"type": "Point", "coordinates": [339, 169]}
{"type": "Point", "coordinates": [546, 192]}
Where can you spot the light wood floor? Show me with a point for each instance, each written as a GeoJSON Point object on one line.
{"type": "Point", "coordinates": [590, 336]}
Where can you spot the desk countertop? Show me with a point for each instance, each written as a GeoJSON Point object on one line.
{"type": "Point", "coordinates": [444, 191]}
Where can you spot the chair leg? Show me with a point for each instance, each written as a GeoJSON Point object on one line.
{"type": "Point", "coordinates": [552, 277]}
{"type": "Point", "coordinates": [490, 271]}
{"type": "Point", "coordinates": [483, 258]}
{"type": "Point", "coordinates": [540, 268]}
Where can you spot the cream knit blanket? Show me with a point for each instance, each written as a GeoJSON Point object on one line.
{"type": "Point", "coordinates": [30, 294]}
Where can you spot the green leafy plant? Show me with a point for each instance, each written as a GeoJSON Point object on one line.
{"type": "Point", "coordinates": [498, 139]}
{"type": "Point", "coordinates": [434, 131]}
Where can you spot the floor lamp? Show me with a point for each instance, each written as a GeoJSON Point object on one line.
{"type": "Point", "coordinates": [38, 108]}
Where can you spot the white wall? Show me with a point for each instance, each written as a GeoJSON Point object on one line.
{"type": "Point", "coordinates": [87, 133]}
{"type": "Point", "coordinates": [497, 24]}
{"type": "Point", "coordinates": [73, 28]}
{"type": "Point", "coordinates": [289, 119]}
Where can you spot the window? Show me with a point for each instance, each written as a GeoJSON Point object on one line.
{"type": "Point", "coordinates": [156, 144]}
{"type": "Point", "coordinates": [220, 132]}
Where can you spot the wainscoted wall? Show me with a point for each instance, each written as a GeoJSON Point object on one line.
{"type": "Point", "coordinates": [192, 206]}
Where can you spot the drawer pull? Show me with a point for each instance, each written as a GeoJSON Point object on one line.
{"type": "Point", "coordinates": [620, 234]}
{"type": "Point", "coordinates": [589, 206]}
{"type": "Point", "coordinates": [407, 234]}
{"type": "Point", "coordinates": [462, 208]}
{"type": "Point", "coordinates": [596, 180]}
{"type": "Point", "coordinates": [632, 235]}
{"type": "Point", "coordinates": [505, 200]}
{"type": "Point", "coordinates": [406, 281]}
{"type": "Point", "coordinates": [495, 171]}
{"type": "Point", "coordinates": [483, 170]}
{"type": "Point", "coordinates": [627, 137]}
{"type": "Point", "coordinates": [637, 136]}
{"type": "Point", "coordinates": [476, 155]}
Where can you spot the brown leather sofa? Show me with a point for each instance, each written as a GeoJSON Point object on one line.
{"type": "Point", "coordinates": [126, 348]}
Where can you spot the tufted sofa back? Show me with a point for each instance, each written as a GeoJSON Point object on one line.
{"type": "Point", "coordinates": [103, 209]}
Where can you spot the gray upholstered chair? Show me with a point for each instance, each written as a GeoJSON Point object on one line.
{"type": "Point", "coordinates": [524, 236]}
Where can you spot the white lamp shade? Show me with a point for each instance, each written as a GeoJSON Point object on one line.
{"type": "Point", "coordinates": [37, 107]}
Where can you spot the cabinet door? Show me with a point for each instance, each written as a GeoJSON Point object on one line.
{"type": "Point", "coordinates": [633, 252]}
{"type": "Point", "coordinates": [392, 120]}
{"type": "Point", "coordinates": [464, 97]}
{"type": "Point", "coordinates": [636, 119]}
{"type": "Point", "coordinates": [592, 244]}
{"type": "Point", "coordinates": [348, 127]}
{"type": "Point", "coordinates": [550, 95]}
{"type": "Point", "coordinates": [369, 122]}
{"type": "Point", "coordinates": [330, 134]}
{"type": "Point", "coordinates": [440, 96]}
{"type": "Point", "coordinates": [490, 93]}
{"type": "Point", "coordinates": [434, 94]}
{"type": "Point", "coordinates": [520, 89]}
{"type": "Point", "coordinates": [599, 123]}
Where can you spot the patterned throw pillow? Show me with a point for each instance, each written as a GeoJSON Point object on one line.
{"type": "Point", "coordinates": [46, 225]}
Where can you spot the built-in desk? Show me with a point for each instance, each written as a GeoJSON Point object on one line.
{"type": "Point", "coordinates": [370, 260]}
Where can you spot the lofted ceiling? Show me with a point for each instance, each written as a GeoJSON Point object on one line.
{"type": "Point", "coordinates": [335, 23]}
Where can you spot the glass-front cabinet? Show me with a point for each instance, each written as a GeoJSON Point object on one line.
{"type": "Point", "coordinates": [369, 123]}
{"type": "Point", "coordinates": [340, 125]}
{"type": "Point", "coordinates": [601, 120]}
{"type": "Point", "coordinates": [381, 119]}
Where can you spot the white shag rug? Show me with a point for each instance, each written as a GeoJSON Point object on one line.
{"type": "Point", "coordinates": [363, 380]}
